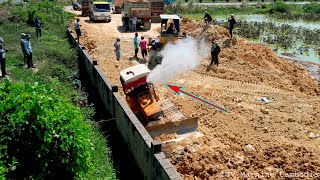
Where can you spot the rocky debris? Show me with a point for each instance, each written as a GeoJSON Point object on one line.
{"type": "Point", "coordinates": [249, 148]}
{"type": "Point", "coordinates": [290, 119]}
{"type": "Point", "coordinates": [313, 135]}
{"type": "Point", "coordinates": [265, 111]}
{"type": "Point", "coordinates": [238, 159]}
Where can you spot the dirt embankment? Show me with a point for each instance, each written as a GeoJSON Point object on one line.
{"type": "Point", "coordinates": [255, 139]}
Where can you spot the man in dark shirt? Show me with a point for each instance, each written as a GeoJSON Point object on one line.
{"type": "Point", "coordinates": [170, 29]}
{"type": "Point", "coordinates": [207, 18]}
{"type": "Point", "coordinates": [232, 22]}
{"type": "Point", "coordinates": [215, 50]}
{"type": "Point", "coordinates": [126, 22]}
{"type": "Point", "coordinates": [37, 25]}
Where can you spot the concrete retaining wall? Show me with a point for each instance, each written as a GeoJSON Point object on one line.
{"type": "Point", "coordinates": [147, 153]}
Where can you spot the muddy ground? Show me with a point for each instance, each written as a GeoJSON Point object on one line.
{"type": "Point", "coordinates": [253, 141]}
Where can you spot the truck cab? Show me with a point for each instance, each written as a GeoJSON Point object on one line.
{"type": "Point", "coordinates": [140, 95]}
{"type": "Point", "coordinates": [100, 11]}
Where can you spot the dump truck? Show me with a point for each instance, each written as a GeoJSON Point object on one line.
{"type": "Point", "coordinates": [158, 116]}
{"type": "Point", "coordinates": [157, 8]}
{"type": "Point", "coordinates": [117, 6]}
{"type": "Point", "coordinates": [85, 7]}
{"type": "Point", "coordinates": [76, 5]}
{"type": "Point", "coordinates": [139, 9]}
{"type": "Point", "coordinates": [100, 11]}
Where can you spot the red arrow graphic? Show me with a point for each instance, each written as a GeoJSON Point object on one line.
{"type": "Point", "coordinates": [179, 90]}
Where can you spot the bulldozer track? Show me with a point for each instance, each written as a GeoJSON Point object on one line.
{"type": "Point", "coordinates": [238, 86]}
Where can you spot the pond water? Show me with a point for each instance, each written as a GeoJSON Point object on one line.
{"type": "Point", "coordinates": [297, 38]}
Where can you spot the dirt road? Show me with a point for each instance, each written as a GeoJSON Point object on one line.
{"type": "Point", "coordinates": [254, 140]}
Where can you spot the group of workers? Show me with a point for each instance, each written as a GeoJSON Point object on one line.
{"type": "Point", "coordinates": [126, 19]}
{"type": "Point", "coordinates": [215, 48]}
{"type": "Point", "coordinates": [143, 44]}
{"type": "Point", "coordinates": [25, 47]}
{"type": "Point", "coordinates": [231, 20]}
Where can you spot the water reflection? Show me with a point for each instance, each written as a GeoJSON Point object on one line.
{"type": "Point", "coordinates": [298, 39]}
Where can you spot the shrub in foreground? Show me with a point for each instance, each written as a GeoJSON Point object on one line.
{"type": "Point", "coordinates": [42, 135]}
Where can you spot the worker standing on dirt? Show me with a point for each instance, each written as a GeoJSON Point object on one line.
{"type": "Point", "coordinates": [143, 45]}
{"type": "Point", "coordinates": [117, 48]}
{"type": "Point", "coordinates": [215, 50]}
{"type": "Point", "coordinates": [136, 45]}
{"type": "Point", "coordinates": [207, 18]}
{"type": "Point", "coordinates": [37, 24]}
{"type": "Point", "coordinates": [3, 58]}
{"type": "Point", "coordinates": [23, 48]}
{"type": "Point", "coordinates": [77, 29]}
{"type": "Point", "coordinates": [134, 23]}
{"type": "Point", "coordinates": [232, 22]}
{"type": "Point", "coordinates": [126, 22]}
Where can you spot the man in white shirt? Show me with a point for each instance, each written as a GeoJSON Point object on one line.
{"type": "Point", "coordinates": [134, 23]}
{"type": "Point", "coordinates": [77, 29]}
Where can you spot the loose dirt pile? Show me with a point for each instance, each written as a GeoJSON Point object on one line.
{"type": "Point", "coordinates": [254, 140]}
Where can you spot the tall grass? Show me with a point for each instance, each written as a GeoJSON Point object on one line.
{"type": "Point", "coordinates": [56, 65]}
{"type": "Point", "coordinates": [312, 8]}
{"type": "Point", "coordinates": [189, 8]}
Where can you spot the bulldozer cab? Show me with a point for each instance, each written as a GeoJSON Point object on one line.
{"type": "Point", "coordinates": [140, 95]}
{"type": "Point", "coordinates": [170, 28]}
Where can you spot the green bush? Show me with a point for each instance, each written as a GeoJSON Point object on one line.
{"type": "Point", "coordinates": [43, 136]}
{"type": "Point", "coordinates": [50, 13]}
{"type": "Point", "coordinates": [279, 7]}
{"type": "Point", "coordinates": [312, 8]}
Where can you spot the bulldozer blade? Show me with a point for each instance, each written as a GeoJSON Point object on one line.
{"type": "Point", "coordinates": [181, 126]}
{"type": "Point", "coordinates": [173, 122]}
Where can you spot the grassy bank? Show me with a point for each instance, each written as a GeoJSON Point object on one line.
{"type": "Point", "coordinates": [56, 68]}
{"type": "Point", "coordinates": [278, 9]}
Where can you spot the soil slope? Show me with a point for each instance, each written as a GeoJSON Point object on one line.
{"type": "Point", "coordinates": [255, 139]}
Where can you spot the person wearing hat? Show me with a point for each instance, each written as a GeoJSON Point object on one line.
{"type": "Point", "coordinates": [29, 52]}
{"type": "Point", "coordinates": [232, 22]}
{"type": "Point", "coordinates": [23, 48]}
{"type": "Point", "coordinates": [117, 48]}
{"type": "Point", "coordinates": [77, 29]}
{"type": "Point", "coordinates": [207, 18]}
{"type": "Point", "coordinates": [215, 50]}
{"type": "Point", "coordinates": [3, 58]}
{"type": "Point", "coordinates": [37, 24]}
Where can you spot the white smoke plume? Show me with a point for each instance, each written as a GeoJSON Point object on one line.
{"type": "Point", "coordinates": [179, 57]}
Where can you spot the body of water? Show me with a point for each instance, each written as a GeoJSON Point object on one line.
{"type": "Point", "coordinates": [296, 38]}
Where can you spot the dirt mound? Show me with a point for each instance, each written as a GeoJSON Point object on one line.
{"type": "Point", "coordinates": [254, 139]}
{"type": "Point", "coordinates": [253, 63]}
{"type": "Point", "coordinates": [245, 162]}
